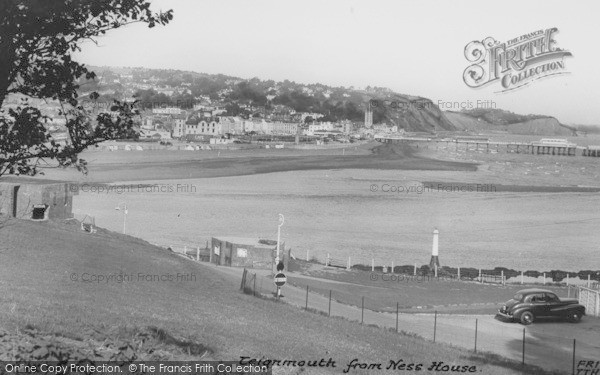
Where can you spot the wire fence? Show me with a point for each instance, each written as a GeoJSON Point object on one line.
{"type": "Point", "coordinates": [251, 283]}
{"type": "Point", "coordinates": [523, 344]}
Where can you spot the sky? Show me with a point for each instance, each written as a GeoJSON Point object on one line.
{"type": "Point", "coordinates": [414, 47]}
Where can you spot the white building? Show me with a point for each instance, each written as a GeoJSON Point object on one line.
{"type": "Point", "coordinates": [325, 126]}
{"type": "Point", "coordinates": [210, 128]}
{"type": "Point", "coordinates": [281, 128]}
{"type": "Point", "coordinates": [179, 128]}
{"type": "Point", "coordinates": [167, 111]}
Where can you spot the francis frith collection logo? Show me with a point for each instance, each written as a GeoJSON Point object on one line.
{"type": "Point", "coordinates": [516, 62]}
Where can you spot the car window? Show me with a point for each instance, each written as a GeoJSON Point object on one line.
{"type": "Point", "coordinates": [537, 298]}
{"type": "Point", "coordinates": [518, 297]}
{"type": "Point", "coordinates": [551, 297]}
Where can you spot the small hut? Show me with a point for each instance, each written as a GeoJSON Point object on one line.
{"type": "Point", "coordinates": [247, 252]}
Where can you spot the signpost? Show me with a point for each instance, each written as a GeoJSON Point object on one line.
{"type": "Point", "coordinates": [280, 280]}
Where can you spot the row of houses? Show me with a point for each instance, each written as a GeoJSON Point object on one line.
{"type": "Point", "coordinates": [221, 125]}
{"type": "Point", "coordinates": [218, 126]}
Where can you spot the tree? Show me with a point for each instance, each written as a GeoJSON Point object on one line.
{"type": "Point", "coordinates": [37, 39]}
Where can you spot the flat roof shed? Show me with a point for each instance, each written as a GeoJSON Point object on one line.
{"type": "Point", "coordinates": [246, 252]}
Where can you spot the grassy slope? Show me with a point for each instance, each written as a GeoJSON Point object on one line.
{"type": "Point", "coordinates": [38, 259]}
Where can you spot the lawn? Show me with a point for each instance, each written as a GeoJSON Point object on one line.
{"type": "Point", "coordinates": [382, 292]}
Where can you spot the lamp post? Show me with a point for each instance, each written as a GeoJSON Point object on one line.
{"type": "Point", "coordinates": [281, 220]}
{"type": "Point", "coordinates": [118, 208]}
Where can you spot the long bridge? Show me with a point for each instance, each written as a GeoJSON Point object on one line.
{"type": "Point", "coordinates": [534, 148]}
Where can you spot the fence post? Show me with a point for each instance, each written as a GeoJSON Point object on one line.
{"type": "Point", "coordinates": [567, 279]}
{"type": "Point", "coordinates": [198, 254]}
{"type": "Point", "coordinates": [589, 283]}
{"type": "Point", "coordinates": [307, 255]}
{"type": "Point", "coordinates": [476, 321]}
{"type": "Point", "coordinates": [254, 288]}
{"type": "Point", "coordinates": [521, 277]}
{"type": "Point", "coordinates": [243, 279]}
{"type": "Point", "coordinates": [372, 264]}
{"type": "Point", "coordinates": [362, 314]}
{"type": "Point", "coordinates": [502, 277]}
{"type": "Point", "coordinates": [327, 260]}
{"type": "Point", "coordinates": [306, 308]}
{"type": "Point", "coordinates": [480, 278]}
{"type": "Point", "coordinates": [329, 313]}
{"type": "Point", "coordinates": [434, 325]}
{"type": "Point", "coordinates": [544, 278]}
{"type": "Point", "coordinates": [573, 371]}
{"type": "Point", "coordinates": [597, 304]}
{"type": "Point", "coordinates": [392, 266]}
{"type": "Point", "coordinates": [397, 309]}
{"type": "Point", "coordinates": [523, 360]}
{"type": "Point", "coordinates": [415, 271]}
{"type": "Point", "coordinates": [458, 274]}
{"type": "Point", "coordinates": [348, 267]}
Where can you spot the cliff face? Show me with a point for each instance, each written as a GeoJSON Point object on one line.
{"type": "Point", "coordinates": [414, 114]}
{"type": "Point", "coordinates": [470, 124]}
{"type": "Point", "coordinates": [544, 126]}
{"type": "Point", "coordinates": [509, 123]}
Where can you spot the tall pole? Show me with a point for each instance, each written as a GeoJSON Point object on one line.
{"type": "Point", "coordinates": [523, 360]}
{"type": "Point", "coordinates": [397, 310]}
{"type": "Point", "coordinates": [574, 343]}
{"type": "Point", "coordinates": [118, 208]}
{"type": "Point", "coordinates": [434, 325]}
{"type": "Point", "coordinates": [124, 217]}
{"type": "Point", "coordinates": [475, 335]}
{"type": "Point", "coordinates": [281, 220]}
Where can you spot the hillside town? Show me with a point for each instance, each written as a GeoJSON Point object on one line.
{"type": "Point", "coordinates": [169, 110]}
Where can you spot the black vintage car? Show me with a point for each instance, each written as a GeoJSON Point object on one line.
{"type": "Point", "coordinates": [530, 304]}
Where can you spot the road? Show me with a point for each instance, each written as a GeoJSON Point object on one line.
{"type": "Point", "coordinates": [547, 344]}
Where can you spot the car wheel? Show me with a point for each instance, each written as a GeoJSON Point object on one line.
{"type": "Point", "coordinates": [526, 318]}
{"type": "Point", "coordinates": [575, 317]}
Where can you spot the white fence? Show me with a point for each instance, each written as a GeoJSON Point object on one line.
{"type": "Point", "coordinates": [590, 298]}
{"type": "Point", "coordinates": [492, 277]}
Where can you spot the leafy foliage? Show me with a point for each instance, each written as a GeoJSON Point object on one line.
{"type": "Point", "coordinates": [37, 38]}
{"type": "Point", "coordinates": [97, 346]}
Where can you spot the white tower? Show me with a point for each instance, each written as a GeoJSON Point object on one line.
{"type": "Point", "coordinates": [369, 117]}
{"type": "Point", "coordinates": [434, 264]}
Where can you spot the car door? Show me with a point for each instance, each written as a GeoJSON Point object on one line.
{"type": "Point", "coordinates": [552, 304]}
{"type": "Point", "coordinates": [539, 305]}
